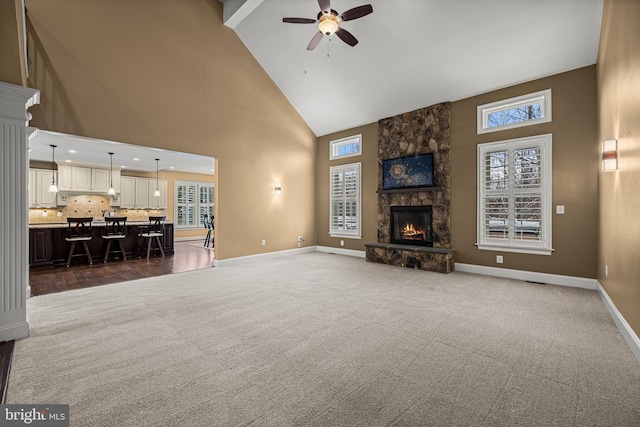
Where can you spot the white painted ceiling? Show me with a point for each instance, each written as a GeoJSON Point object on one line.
{"type": "Point", "coordinates": [95, 153]}
{"type": "Point", "coordinates": [412, 53]}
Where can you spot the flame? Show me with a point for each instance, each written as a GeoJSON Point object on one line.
{"type": "Point", "coordinates": [410, 232]}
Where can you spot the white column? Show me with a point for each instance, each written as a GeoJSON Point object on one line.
{"type": "Point", "coordinates": [14, 208]}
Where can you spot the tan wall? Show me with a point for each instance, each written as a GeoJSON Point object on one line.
{"type": "Point", "coordinates": [618, 71]}
{"type": "Point", "coordinates": [10, 40]}
{"type": "Point", "coordinates": [168, 74]}
{"type": "Point", "coordinates": [575, 171]}
{"type": "Point", "coordinates": [369, 160]}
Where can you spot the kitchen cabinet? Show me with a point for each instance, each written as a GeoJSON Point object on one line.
{"type": "Point", "coordinates": [79, 179]}
{"type": "Point", "coordinates": [43, 179]}
{"type": "Point", "coordinates": [142, 193]}
{"type": "Point", "coordinates": [158, 202]}
{"type": "Point", "coordinates": [32, 188]}
{"type": "Point", "coordinates": [127, 192]}
{"type": "Point", "coordinates": [40, 254]}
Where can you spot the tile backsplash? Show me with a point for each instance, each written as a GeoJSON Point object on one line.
{"type": "Point", "coordinates": [86, 206]}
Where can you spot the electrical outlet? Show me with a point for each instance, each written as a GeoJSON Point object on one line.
{"type": "Point", "coordinates": [60, 214]}
{"type": "Point", "coordinates": [606, 271]}
{"type": "Point", "coordinates": [499, 259]}
{"type": "Point", "coordinates": [44, 214]}
{"type": "Point", "coordinates": [560, 209]}
{"type": "Point", "coordinates": [264, 242]}
{"type": "Point", "coordinates": [341, 242]}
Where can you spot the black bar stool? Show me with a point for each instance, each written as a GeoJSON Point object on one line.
{"type": "Point", "coordinates": [115, 230]}
{"type": "Point", "coordinates": [79, 230]}
{"type": "Point", "coordinates": [208, 225]}
{"type": "Point", "coordinates": [153, 232]}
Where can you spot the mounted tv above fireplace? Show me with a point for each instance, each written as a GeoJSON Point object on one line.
{"type": "Point", "coordinates": [408, 172]}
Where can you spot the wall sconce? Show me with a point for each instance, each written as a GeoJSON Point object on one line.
{"type": "Point", "coordinates": [278, 189]}
{"type": "Point", "coordinates": [609, 155]}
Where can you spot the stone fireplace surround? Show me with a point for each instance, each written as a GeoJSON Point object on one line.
{"type": "Point", "coordinates": [422, 131]}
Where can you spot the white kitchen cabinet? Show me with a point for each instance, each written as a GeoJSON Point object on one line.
{"type": "Point", "coordinates": [80, 179]}
{"type": "Point", "coordinates": [64, 178]}
{"type": "Point", "coordinates": [142, 193]}
{"type": "Point", "coordinates": [44, 199]}
{"type": "Point", "coordinates": [127, 192]}
{"type": "Point", "coordinates": [32, 188]}
{"type": "Point", "coordinates": [99, 180]}
{"type": "Point", "coordinates": [158, 202]}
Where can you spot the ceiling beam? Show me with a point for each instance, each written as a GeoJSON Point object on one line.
{"type": "Point", "coordinates": [234, 11]}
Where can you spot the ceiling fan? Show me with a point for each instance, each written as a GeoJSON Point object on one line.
{"type": "Point", "coordinates": [329, 22]}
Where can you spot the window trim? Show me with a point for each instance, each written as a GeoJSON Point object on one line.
{"type": "Point", "coordinates": [337, 143]}
{"type": "Point", "coordinates": [544, 247]}
{"type": "Point", "coordinates": [355, 234]}
{"type": "Point", "coordinates": [198, 184]}
{"type": "Point", "coordinates": [543, 97]}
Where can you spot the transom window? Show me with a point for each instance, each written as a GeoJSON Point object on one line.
{"type": "Point", "coordinates": [523, 110]}
{"type": "Point", "coordinates": [514, 202]}
{"type": "Point", "coordinates": [345, 203]}
{"type": "Point", "coordinates": [193, 199]}
{"type": "Point", "coordinates": [345, 147]}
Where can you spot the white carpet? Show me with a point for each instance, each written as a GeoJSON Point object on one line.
{"type": "Point", "coordinates": [319, 339]}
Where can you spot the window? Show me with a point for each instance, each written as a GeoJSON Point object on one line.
{"type": "Point", "coordinates": [345, 147]}
{"type": "Point", "coordinates": [345, 204]}
{"type": "Point", "coordinates": [193, 199]}
{"type": "Point", "coordinates": [514, 201]}
{"type": "Point", "coordinates": [523, 110]}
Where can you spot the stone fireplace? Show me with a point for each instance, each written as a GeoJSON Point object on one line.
{"type": "Point", "coordinates": [415, 133]}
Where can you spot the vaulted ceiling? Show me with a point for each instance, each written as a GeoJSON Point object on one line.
{"type": "Point", "coordinates": [412, 53]}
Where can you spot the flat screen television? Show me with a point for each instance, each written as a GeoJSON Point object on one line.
{"type": "Point", "coordinates": [408, 172]}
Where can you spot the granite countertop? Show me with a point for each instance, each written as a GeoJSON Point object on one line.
{"type": "Point", "coordinates": [94, 224]}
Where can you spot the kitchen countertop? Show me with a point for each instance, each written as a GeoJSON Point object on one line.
{"type": "Point", "coordinates": [94, 224]}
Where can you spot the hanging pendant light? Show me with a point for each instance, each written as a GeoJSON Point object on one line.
{"type": "Point", "coordinates": [111, 191]}
{"type": "Point", "coordinates": [53, 188]}
{"type": "Point", "coordinates": [157, 193]}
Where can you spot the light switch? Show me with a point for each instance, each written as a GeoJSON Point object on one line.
{"type": "Point", "coordinates": [560, 209]}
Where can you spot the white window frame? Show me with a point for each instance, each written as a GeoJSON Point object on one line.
{"type": "Point", "coordinates": [542, 97]}
{"type": "Point", "coordinates": [335, 145]}
{"type": "Point", "coordinates": [198, 216]}
{"type": "Point", "coordinates": [543, 246]}
{"type": "Point", "coordinates": [342, 232]}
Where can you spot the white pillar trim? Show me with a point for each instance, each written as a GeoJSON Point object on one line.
{"type": "Point", "coordinates": [14, 227]}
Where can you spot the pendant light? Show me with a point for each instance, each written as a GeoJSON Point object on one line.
{"type": "Point", "coordinates": [157, 193]}
{"type": "Point", "coordinates": [53, 188]}
{"type": "Point", "coordinates": [111, 191]}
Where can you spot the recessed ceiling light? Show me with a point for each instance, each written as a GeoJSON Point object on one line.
{"type": "Point", "coordinates": [135, 159]}
{"type": "Point", "coordinates": [123, 166]}
{"type": "Point", "coordinates": [172, 167]}
{"type": "Point", "coordinates": [72, 151]}
{"type": "Point", "coordinates": [67, 161]}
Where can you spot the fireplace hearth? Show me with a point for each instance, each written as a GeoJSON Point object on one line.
{"type": "Point", "coordinates": [412, 225]}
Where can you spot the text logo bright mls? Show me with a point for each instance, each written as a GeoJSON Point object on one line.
{"type": "Point", "coordinates": [35, 415]}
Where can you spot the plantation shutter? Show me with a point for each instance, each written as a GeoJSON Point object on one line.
{"type": "Point", "coordinates": [345, 206]}
{"type": "Point", "coordinates": [514, 208]}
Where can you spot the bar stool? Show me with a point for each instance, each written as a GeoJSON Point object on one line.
{"type": "Point", "coordinates": [153, 231]}
{"type": "Point", "coordinates": [208, 225]}
{"type": "Point", "coordinates": [79, 230]}
{"type": "Point", "coordinates": [115, 230]}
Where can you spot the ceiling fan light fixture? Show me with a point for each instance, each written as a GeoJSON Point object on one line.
{"type": "Point", "coordinates": [328, 24]}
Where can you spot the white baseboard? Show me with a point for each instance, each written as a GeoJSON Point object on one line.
{"type": "Point", "coordinates": [14, 332]}
{"type": "Point", "coordinates": [627, 333]}
{"type": "Point", "coordinates": [532, 276]}
{"type": "Point", "coordinates": [267, 255]}
{"type": "Point", "coordinates": [341, 251]}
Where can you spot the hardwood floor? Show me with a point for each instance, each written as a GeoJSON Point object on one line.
{"type": "Point", "coordinates": [189, 255]}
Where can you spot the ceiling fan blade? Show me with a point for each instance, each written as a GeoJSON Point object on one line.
{"type": "Point", "coordinates": [325, 6]}
{"type": "Point", "coordinates": [316, 40]}
{"type": "Point", "coordinates": [356, 12]}
{"type": "Point", "coordinates": [346, 37]}
{"type": "Point", "coordinates": [299, 20]}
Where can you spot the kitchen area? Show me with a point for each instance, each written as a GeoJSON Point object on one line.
{"type": "Point", "coordinates": [72, 177]}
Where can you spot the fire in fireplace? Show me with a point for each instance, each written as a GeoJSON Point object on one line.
{"type": "Point", "coordinates": [412, 225]}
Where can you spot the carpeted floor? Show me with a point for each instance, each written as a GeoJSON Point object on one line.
{"type": "Point", "coordinates": [327, 340]}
